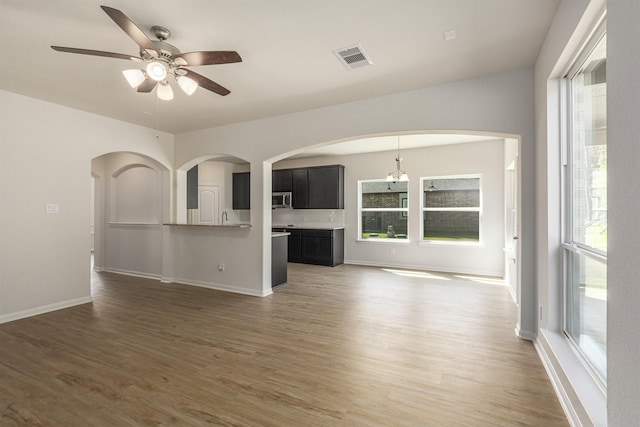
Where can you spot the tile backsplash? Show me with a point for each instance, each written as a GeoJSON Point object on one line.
{"type": "Point", "coordinates": [316, 217]}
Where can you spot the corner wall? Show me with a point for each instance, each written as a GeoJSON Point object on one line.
{"type": "Point", "coordinates": [45, 158]}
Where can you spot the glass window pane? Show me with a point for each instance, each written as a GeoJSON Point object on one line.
{"type": "Point", "coordinates": [586, 307]}
{"type": "Point", "coordinates": [589, 152]}
{"type": "Point", "coordinates": [382, 194]}
{"type": "Point", "coordinates": [384, 225]}
{"type": "Point", "coordinates": [456, 226]}
{"type": "Point", "coordinates": [451, 193]}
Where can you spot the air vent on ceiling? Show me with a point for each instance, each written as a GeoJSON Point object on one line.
{"type": "Point", "coordinates": [353, 56]}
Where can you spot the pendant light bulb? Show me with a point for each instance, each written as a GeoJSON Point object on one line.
{"type": "Point", "coordinates": [157, 71]}
{"type": "Point", "coordinates": [187, 84]}
{"type": "Point", "coordinates": [134, 77]}
{"type": "Point", "coordinates": [164, 91]}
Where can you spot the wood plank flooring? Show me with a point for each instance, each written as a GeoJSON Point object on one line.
{"type": "Point", "coordinates": [344, 346]}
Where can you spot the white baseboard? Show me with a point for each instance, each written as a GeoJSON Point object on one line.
{"type": "Point", "coordinates": [223, 287]}
{"type": "Point", "coordinates": [201, 284]}
{"type": "Point", "coordinates": [524, 334]}
{"type": "Point", "coordinates": [141, 274]}
{"type": "Point", "coordinates": [426, 268]}
{"type": "Point", "coordinates": [10, 317]}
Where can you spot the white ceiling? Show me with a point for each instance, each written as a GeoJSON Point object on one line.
{"type": "Point", "coordinates": [286, 46]}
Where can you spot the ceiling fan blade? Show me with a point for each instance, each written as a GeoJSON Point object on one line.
{"type": "Point", "coordinates": [95, 53]}
{"type": "Point", "coordinates": [206, 83]}
{"type": "Point", "coordinates": [209, 57]}
{"type": "Point", "coordinates": [147, 85]}
{"type": "Point", "coordinates": [130, 28]}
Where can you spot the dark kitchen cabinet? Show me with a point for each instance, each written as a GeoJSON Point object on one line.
{"type": "Point", "coordinates": [241, 190]}
{"type": "Point", "coordinates": [319, 187]}
{"type": "Point", "coordinates": [316, 247]}
{"type": "Point", "coordinates": [295, 246]}
{"type": "Point", "coordinates": [321, 247]}
{"type": "Point", "coordinates": [299, 188]}
{"type": "Point", "coordinates": [326, 187]}
{"type": "Point", "coordinates": [281, 180]}
{"type": "Point", "coordinates": [192, 188]}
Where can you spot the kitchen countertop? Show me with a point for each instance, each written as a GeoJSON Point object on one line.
{"type": "Point", "coordinates": [309, 227]}
{"type": "Point", "coordinates": [225, 226]}
{"type": "Point", "coordinates": [279, 234]}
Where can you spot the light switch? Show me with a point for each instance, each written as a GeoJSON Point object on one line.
{"type": "Point", "coordinates": [52, 208]}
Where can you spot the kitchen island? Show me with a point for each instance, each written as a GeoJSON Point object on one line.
{"type": "Point", "coordinates": [279, 254]}
{"type": "Point", "coordinates": [215, 256]}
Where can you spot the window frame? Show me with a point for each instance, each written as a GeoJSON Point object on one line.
{"type": "Point", "coordinates": [399, 210]}
{"type": "Point", "coordinates": [478, 209]}
{"type": "Point", "coordinates": [571, 247]}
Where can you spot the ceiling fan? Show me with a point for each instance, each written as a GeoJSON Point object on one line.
{"type": "Point", "coordinates": [162, 59]}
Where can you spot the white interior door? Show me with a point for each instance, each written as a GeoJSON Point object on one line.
{"type": "Point", "coordinates": [93, 214]}
{"type": "Point", "coordinates": [209, 204]}
{"type": "Point", "coordinates": [511, 229]}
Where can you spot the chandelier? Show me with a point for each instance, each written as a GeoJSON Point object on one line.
{"type": "Point", "coordinates": [398, 174]}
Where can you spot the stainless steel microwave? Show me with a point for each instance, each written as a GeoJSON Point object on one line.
{"type": "Point", "coordinates": [281, 199]}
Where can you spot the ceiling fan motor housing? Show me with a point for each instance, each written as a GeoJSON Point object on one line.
{"type": "Point", "coordinates": [161, 33]}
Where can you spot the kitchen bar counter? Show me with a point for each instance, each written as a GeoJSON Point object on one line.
{"type": "Point", "coordinates": [205, 226]}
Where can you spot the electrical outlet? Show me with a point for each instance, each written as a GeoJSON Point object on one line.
{"type": "Point", "coordinates": [51, 208]}
{"type": "Point", "coordinates": [221, 267]}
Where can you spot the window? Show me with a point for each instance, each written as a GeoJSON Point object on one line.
{"type": "Point", "coordinates": [585, 213]}
{"type": "Point", "coordinates": [384, 210]}
{"type": "Point", "coordinates": [451, 208]}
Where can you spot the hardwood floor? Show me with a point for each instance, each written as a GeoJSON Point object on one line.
{"type": "Point", "coordinates": [343, 346]}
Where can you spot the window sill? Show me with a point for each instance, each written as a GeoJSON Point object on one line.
{"type": "Point", "coordinates": [449, 243]}
{"type": "Point", "coordinates": [385, 241]}
{"type": "Point", "coordinates": [571, 378]}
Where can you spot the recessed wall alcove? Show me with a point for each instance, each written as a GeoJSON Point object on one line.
{"type": "Point", "coordinates": [131, 201]}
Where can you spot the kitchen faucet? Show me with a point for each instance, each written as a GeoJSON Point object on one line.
{"type": "Point", "coordinates": [224, 216]}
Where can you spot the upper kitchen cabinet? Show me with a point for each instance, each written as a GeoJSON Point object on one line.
{"type": "Point", "coordinates": [299, 188]}
{"type": "Point", "coordinates": [319, 187]}
{"type": "Point", "coordinates": [326, 187]}
{"type": "Point", "coordinates": [281, 180]}
{"type": "Point", "coordinates": [242, 190]}
{"type": "Point", "coordinates": [192, 188]}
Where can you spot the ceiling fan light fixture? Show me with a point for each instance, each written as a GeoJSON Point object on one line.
{"type": "Point", "coordinates": [156, 70]}
{"type": "Point", "coordinates": [164, 91]}
{"type": "Point", "coordinates": [160, 57]}
{"type": "Point", "coordinates": [187, 85]}
{"type": "Point", "coordinates": [134, 77]}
